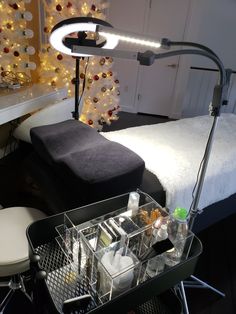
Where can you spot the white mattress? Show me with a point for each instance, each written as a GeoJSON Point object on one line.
{"type": "Point", "coordinates": [173, 152]}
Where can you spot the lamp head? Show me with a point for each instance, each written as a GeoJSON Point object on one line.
{"type": "Point", "coordinates": [64, 36]}
{"type": "Point", "coordinates": [72, 31]}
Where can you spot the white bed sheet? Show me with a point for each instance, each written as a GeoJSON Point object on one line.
{"type": "Point", "coordinates": [173, 152]}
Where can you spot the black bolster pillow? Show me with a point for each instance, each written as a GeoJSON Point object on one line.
{"type": "Point", "coordinates": [84, 158]}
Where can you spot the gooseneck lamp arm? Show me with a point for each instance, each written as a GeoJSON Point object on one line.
{"type": "Point", "coordinates": [219, 97]}
{"type": "Point", "coordinates": [148, 58]}
{"type": "Point", "coordinates": [167, 43]}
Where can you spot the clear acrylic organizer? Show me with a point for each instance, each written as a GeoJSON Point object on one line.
{"type": "Point", "coordinates": [105, 252]}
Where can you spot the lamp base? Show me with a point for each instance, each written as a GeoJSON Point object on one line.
{"type": "Point", "coordinates": [194, 283]}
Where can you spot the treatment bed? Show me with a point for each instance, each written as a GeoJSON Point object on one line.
{"type": "Point", "coordinates": [173, 152]}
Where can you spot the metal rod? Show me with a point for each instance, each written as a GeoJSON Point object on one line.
{"type": "Point", "coordinates": [6, 300]}
{"type": "Point", "coordinates": [192, 44]}
{"type": "Point", "coordinates": [207, 69]}
{"type": "Point", "coordinates": [194, 208]}
{"type": "Point", "coordinates": [214, 58]}
{"type": "Point", "coordinates": [208, 286]}
{"type": "Point", "coordinates": [76, 112]}
{"type": "Point", "coordinates": [183, 295]}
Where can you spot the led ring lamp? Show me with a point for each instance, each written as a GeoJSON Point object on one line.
{"type": "Point", "coordinates": [62, 41]}
{"type": "Point", "coordinates": [60, 31]}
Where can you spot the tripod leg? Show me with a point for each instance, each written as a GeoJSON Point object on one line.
{"type": "Point", "coordinates": [183, 297]}
{"type": "Point", "coordinates": [205, 285]}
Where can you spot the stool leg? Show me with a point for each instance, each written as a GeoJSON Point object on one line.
{"type": "Point", "coordinates": [6, 300]}
{"type": "Point", "coordinates": [4, 284]}
{"type": "Point", "coordinates": [17, 288]}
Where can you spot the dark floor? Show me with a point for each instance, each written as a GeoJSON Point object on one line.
{"type": "Point", "coordinates": [127, 119]}
{"type": "Point", "coordinates": [216, 264]}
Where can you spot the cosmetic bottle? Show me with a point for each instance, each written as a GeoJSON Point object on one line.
{"type": "Point", "coordinates": [156, 264]}
{"type": "Point", "coordinates": [177, 232]}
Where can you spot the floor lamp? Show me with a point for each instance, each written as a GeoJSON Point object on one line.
{"type": "Point", "coordinates": [111, 37]}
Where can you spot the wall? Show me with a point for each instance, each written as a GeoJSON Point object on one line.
{"type": "Point", "coordinates": [120, 16]}
{"type": "Point", "coordinates": [213, 23]}
{"type": "Point", "coordinates": [210, 22]}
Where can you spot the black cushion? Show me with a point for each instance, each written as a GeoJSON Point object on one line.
{"type": "Point", "coordinates": [89, 166]}
{"type": "Point", "coordinates": [55, 141]}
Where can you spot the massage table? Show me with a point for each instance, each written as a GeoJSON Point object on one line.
{"type": "Point", "coordinates": [173, 151]}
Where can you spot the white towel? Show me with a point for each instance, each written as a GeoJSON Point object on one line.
{"type": "Point", "coordinates": [173, 152]}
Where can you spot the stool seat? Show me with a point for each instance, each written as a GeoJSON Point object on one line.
{"type": "Point", "coordinates": [14, 257]}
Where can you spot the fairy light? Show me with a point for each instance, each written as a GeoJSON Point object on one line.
{"type": "Point", "coordinates": [13, 24]}
{"type": "Point", "coordinates": [85, 9]}
{"type": "Point", "coordinates": [49, 61]}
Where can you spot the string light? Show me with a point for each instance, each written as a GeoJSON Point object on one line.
{"type": "Point", "coordinates": [91, 113]}
{"type": "Point", "coordinates": [14, 47]}
{"type": "Point", "coordinates": [23, 15]}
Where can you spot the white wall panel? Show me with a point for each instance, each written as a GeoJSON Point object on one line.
{"type": "Point", "coordinates": [199, 93]}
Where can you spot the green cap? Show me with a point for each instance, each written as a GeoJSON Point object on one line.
{"type": "Point", "coordinates": [180, 213]}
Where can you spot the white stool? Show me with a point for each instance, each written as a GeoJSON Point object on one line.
{"type": "Point", "coordinates": [14, 258]}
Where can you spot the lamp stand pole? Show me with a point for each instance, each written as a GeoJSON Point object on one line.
{"type": "Point", "coordinates": [76, 111]}
{"type": "Point", "coordinates": [194, 210]}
